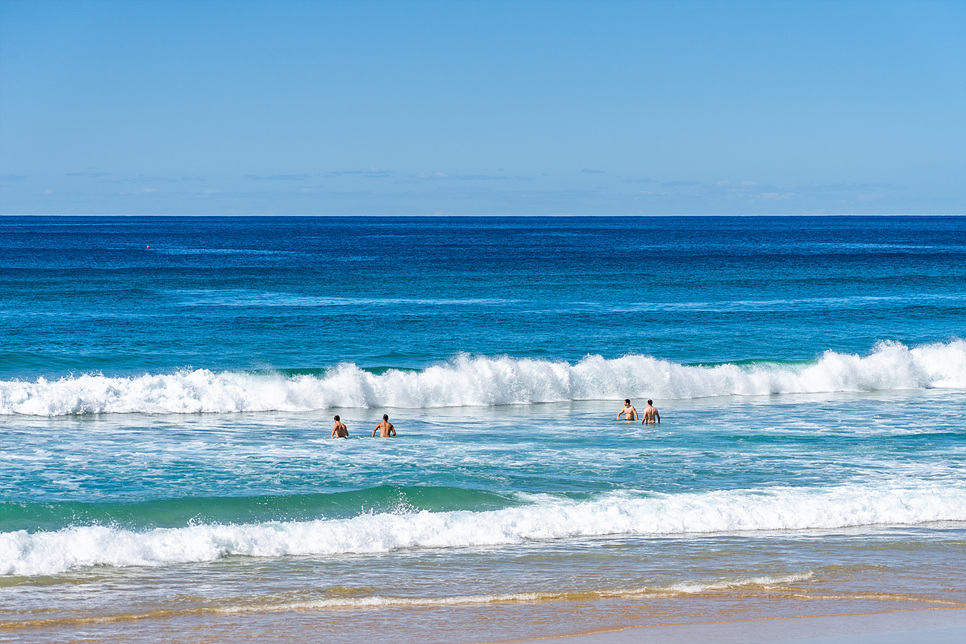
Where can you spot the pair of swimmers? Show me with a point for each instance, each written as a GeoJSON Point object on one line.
{"type": "Point", "coordinates": [651, 414]}
{"type": "Point", "coordinates": [385, 428]}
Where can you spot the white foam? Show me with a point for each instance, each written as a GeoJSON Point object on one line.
{"type": "Point", "coordinates": [47, 553]}
{"type": "Point", "coordinates": [762, 582]}
{"type": "Point", "coordinates": [481, 381]}
{"type": "Point", "coordinates": [502, 598]}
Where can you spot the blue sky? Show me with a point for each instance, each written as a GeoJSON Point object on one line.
{"type": "Point", "coordinates": [477, 108]}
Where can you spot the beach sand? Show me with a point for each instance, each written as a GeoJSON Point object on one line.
{"type": "Point", "coordinates": [717, 620]}
{"type": "Point", "coordinates": [932, 626]}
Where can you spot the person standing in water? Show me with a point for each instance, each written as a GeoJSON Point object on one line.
{"type": "Point", "coordinates": [651, 414]}
{"type": "Point", "coordinates": [629, 412]}
{"type": "Point", "coordinates": [384, 428]}
{"type": "Point", "coordinates": [339, 430]}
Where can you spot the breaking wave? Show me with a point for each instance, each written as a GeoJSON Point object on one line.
{"type": "Point", "coordinates": [484, 381]}
{"type": "Point", "coordinates": [24, 553]}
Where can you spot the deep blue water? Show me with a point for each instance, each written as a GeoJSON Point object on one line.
{"type": "Point", "coordinates": [86, 294]}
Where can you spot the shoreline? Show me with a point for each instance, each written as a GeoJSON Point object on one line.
{"type": "Point", "coordinates": [719, 619]}
{"type": "Point", "coordinates": [933, 625]}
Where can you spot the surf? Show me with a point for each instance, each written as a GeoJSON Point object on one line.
{"type": "Point", "coordinates": [539, 518]}
{"type": "Point", "coordinates": [474, 381]}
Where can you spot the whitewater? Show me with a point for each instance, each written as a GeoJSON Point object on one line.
{"type": "Point", "coordinates": [23, 553]}
{"type": "Point", "coordinates": [484, 381]}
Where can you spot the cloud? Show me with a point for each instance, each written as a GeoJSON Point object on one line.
{"type": "Point", "coordinates": [846, 187]}
{"type": "Point", "coordinates": [279, 177]}
{"type": "Point", "coordinates": [90, 174]}
{"type": "Point", "coordinates": [368, 172]}
{"type": "Point", "coordinates": [142, 191]}
{"type": "Point", "coordinates": [682, 184]}
{"type": "Point", "coordinates": [461, 177]}
{"type": "Point", "coordinates": [142, 178]}
{"type": "Point", "coordinates": [739, 186]}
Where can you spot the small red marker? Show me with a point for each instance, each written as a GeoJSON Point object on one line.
{"type": "Point", "coordinates": [149, 247]}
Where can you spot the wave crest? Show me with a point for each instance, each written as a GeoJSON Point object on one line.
{"type": "Point", "coordinates": [24, 553]}
{"type": "Point", "coordinates": [483, 381]}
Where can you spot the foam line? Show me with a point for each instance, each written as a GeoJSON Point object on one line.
{"type": "Point", "coordinates": [24, 553]}
{"type": "Point", "coordinates": [483, 381]}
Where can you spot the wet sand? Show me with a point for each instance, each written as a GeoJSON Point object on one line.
{"type": "Point", "coordinates": [718, 618]}
{"type": "Point", "coordinates": [935, 626]}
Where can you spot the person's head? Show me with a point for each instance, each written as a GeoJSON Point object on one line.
{"type": "Point", "coordinates": [337, 417]}
{"type": "Point", "coordinates": [650, 402]}
{"type": "Point", "coordinates": [385, 416]}
{"type": "Point", "coordinates": [627, 401]}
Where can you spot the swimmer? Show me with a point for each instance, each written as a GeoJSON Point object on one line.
{"type": "Point", "coordinates": [629, 412]}
{"type": "Point", "coordinates": [651, 414]}
{"type": "Point", "coordinates": [339, 430]}
{"type": "Point", "coordinates": [384, 428]}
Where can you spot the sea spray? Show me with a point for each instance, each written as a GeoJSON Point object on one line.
{"type": "Point", "coordinates": [485, 381]}
{"type": "Point", "coordinates": [24, 553]}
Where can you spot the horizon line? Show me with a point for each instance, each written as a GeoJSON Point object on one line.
{"type": "Point", "coordinates": [443, 216]}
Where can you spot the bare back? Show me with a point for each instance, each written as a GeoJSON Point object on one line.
{"type": "Point", "coordinates": [385, 429]}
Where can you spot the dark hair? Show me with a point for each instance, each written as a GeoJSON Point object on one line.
{"type": "Point", "coordinates": [385, 416]}
{"type": "Point", "coordinates": [650, 402]}
{"type": "Point", "coordinates": [627, 401]}
{"type": "Point", "coordinates": [337, 416]}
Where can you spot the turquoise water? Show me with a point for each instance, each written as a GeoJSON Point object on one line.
{"type": "Point", "coordinates": [167, 387]}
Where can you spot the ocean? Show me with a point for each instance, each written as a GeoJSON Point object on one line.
{"type": "Point", "coordinates": [168, 384]}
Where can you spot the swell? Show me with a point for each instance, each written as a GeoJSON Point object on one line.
{"type": "Point", "coordinates": [543, 517]}
{"type": "Point", "coordinates": [52, 516]}
{"type": "Point", "coordinates": [486, 381]}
